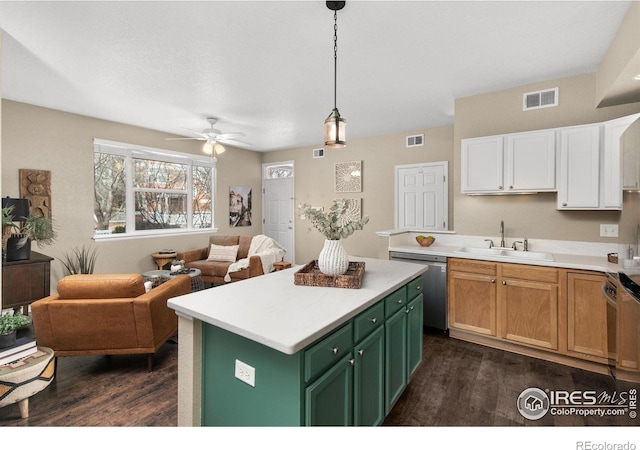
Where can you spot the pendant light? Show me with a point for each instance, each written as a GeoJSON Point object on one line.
{"type": "Point", "coordinates": [334, 125]}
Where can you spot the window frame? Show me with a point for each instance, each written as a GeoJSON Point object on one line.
{"type": "Point", "coordinates": [130, 152]}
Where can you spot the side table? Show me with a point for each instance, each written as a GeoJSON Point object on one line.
{"type": "Point", "coordinates": [163, 258]}
{"type": "Point", "coordinates": [25, 377]}
{"type": "Point", "coordinates": [281, 265]}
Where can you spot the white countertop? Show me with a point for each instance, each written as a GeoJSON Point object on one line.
{"type": "Point", "coordinates": [272, 310]}
{"type": "Point", "coordinates": [567, 261]}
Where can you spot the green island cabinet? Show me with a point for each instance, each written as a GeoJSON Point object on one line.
{"type": "Point", "coordinates": [352, 376]}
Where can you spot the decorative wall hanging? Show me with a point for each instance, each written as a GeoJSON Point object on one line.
{"type": "Point", "coordinates": [353, 212]}
{"type": "Point", "coordinates": [348, 176]}
{"type": "Point", "coordinates": [35, 186]}
{"type": "Point", "coordinates": [239, 206]}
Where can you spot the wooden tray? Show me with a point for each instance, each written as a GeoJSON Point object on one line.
{"type": "Point", "coordinates": [310, 275]}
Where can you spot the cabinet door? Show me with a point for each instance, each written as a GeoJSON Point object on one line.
{"type": "Point", "coordinates": [472, 302]}
{"type": "Point", "coordinates": [530, 162]}
{"type": "Point", "coordinates": [329, 400]}
{"type": "Point", "coordinates": [586, 316]}
{"type": "Point", "coordinates": [630, 143]}
{"type": "Point", "coordinates": [579, 168]}
{"type": "Point", "coordinates": [482, 164]}
{"type": "Point", "coordinates": [414, 334]}
{"type": "Point", "coordinates": [628, 334]}
{"type": "Point", "coordinates": [368, 384]}
{"type": "Point", "coordinates": [529, 313]}
{"type": "Point", "coordinates": [395, 344]}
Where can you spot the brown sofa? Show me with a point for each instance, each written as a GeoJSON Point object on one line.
{"type": "Point", "coordinates": [107, 315]}
{"type": "Point", "coordinates": [215, 271]}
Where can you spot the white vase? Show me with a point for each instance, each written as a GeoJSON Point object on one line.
{"type": "Point", "coordinates": [333, 259]}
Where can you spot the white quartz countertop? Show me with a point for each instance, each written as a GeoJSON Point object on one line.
{"type": "Point", "coordinates": [272, 310]}
{"type": "Point", "coordinates": [561, 260]}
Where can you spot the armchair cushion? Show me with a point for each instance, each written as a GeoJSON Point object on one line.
{"type": "Point", "coordinates": [101, 286]}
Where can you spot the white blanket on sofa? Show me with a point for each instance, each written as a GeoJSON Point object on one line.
{"type": "Point", "coordinates": [263, 246]}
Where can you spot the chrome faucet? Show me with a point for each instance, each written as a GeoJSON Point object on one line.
{"type": "Point", "coordinates": [502, 244]}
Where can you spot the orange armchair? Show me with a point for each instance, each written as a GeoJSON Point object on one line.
{"type": "Point", "coordinates": [107, 315]}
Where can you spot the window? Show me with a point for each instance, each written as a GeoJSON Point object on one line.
{"type": "Point", "coordinates": [140, 190]}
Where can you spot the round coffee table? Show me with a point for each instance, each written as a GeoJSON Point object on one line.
{"type": "Point", "coordinates": [196, 278]}
{"type": "Point", "coordinates": [25, 377]}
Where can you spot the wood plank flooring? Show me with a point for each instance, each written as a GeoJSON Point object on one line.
{"type": "Point", "coordinates": [458, 384]}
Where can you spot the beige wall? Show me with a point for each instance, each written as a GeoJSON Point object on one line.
{"type": "Point", "coordinates": [314, 183]}
{"type": "Point", "coordinates": [40, 138]}
{"type": "Point", "coordinates": [535, 216]}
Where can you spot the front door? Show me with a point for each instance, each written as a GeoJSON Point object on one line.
{"type": "Point", "coordinates": [278, 220]}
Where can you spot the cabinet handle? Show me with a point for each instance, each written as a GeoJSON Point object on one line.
{"type": "Point", "coordinates": [374, 320]}
{"type": "Point", "coordinates": [335, 350]}
{"type": "Point", "coordinates": [360, 352]}
{"type": "Point", "coordinates": [510, 187]}
{"type": "Point", "coordinates": [500, 187]}
{"type": "Point", "coordinates": [352, 361]}
{"type": "Point", "coordinates": [418, 288]}
{"type": "Point", "coordinates": [493, 281]}
{"type": "Point", "coordinates": [399, 302]}
{"type": "Point", "coordinates": [564, 204]}
{"type": "Point", "coordinates": [504, 283]}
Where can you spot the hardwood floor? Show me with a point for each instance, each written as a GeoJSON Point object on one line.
{"type": "Point", "coordinates": [458, 384]}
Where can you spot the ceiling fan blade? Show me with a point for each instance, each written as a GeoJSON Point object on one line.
{"type": "Point", "coordinates": [234, 142]}
{"type": "Point", "coordinates": [185, 139]}
{"type": "Point", "coordinates": [229, 135]}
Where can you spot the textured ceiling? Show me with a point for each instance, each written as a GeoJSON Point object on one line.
{"type": "Point", "coordinates": [266, 68]}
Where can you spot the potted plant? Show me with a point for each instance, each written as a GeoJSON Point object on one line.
{"type": "Point", "coordinates": [32, 228]}
{"type": "Point", "coordinates": [9, 324]}
{"type": "Point", "coordinates": [335, 225]}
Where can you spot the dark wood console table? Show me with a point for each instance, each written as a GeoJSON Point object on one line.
{"type": "Point", "coordinates": [25, 281]}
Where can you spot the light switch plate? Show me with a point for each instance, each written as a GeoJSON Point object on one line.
{"type": "Point", "coordinates": [245, 373]}
{"type": "Point", "coordinates": [608, 230]}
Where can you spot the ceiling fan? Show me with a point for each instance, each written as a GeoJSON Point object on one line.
{"type": "Point", "coordinates": [214, 138]}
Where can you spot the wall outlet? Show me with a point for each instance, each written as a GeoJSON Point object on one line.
{"type": "Point", "coordinates": [608, 230]}
{"type": "Point", "coordinates": [245, 373]}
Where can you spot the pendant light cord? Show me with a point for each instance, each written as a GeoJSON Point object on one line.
{"type": "Point", "coordinates": [335, 59]}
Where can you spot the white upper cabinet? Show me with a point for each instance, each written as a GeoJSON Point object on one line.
{"type": "Point", "coordinates": [512, 163]}
{"type": "Point", "coordinates": [592, 164]}
{"type": "Point", "coordinates": [630, 142]}
{"type": "Point", "coordinates": [531, 161]}
{"type": "Point", "coordinates": [579, 186]}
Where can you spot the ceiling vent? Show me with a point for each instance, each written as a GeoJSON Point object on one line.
{"type": "Point", "coordinates": [417, 140]}
{"type": "Point", "coordinates": [318, 152]}
{"type": "Point", "coordinates": [540, 99]}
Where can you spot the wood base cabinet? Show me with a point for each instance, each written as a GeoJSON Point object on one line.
{"type": "Point", "coordinates": [472, 295]}
{"type": "Point", "coordinates": [529, 309]}
{"type": "Point", "coordinates": [587, 325]}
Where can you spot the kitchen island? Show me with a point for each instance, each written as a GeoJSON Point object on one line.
{"type": "Point", "coordinates": [264, 351]}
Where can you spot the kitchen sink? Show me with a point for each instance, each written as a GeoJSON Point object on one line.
{"type": "Point", "coordinates": [481, 251]}
{"type": "Point", "coordinates": [507, 253]}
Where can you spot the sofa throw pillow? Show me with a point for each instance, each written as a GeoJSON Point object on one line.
{"type": "Point", "coordinates": [226, 253]}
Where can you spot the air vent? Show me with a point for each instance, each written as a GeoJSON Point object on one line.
{"type": "Point", "coordinates": [318, 152]}
{"type": "Point", "coordinates": [540, 99]}
{"type": "Point", "coordinates": [416, 140]}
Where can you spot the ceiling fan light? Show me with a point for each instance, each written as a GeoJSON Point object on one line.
{"type": "Point", "coordinates": [219, 148]}
{"type": "Point", "coordinates": [335, 130]}
{"type": "Point", "coordinates": [207, 148]}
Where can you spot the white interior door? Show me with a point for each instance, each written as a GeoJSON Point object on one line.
{"type": "Point", "coordinates": [278, 220]}
{"type": "Point", "coordinates": [422, 199]}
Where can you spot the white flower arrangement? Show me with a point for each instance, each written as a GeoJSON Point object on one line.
{"type": "Point", "coordinates": [332, 224]}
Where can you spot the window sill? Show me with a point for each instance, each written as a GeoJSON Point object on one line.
{"type": "Point", "coordinates": [150, 234]}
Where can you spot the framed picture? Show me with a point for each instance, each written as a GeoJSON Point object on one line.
{"type": "Point", "coordinates": [239, 206]}
{"type": "Point", "coordinates": [348, 176]}
{"type": "Point", "coordinates": [354, 210]}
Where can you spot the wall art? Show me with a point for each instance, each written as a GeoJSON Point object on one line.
{"type": "Point", "coordinates": [348, 176]}
{"type": "Point", "coordinates": [239, 206]}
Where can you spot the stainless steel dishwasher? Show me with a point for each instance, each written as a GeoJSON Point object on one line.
{"type": "Point", "coordinates": [434, 287]}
